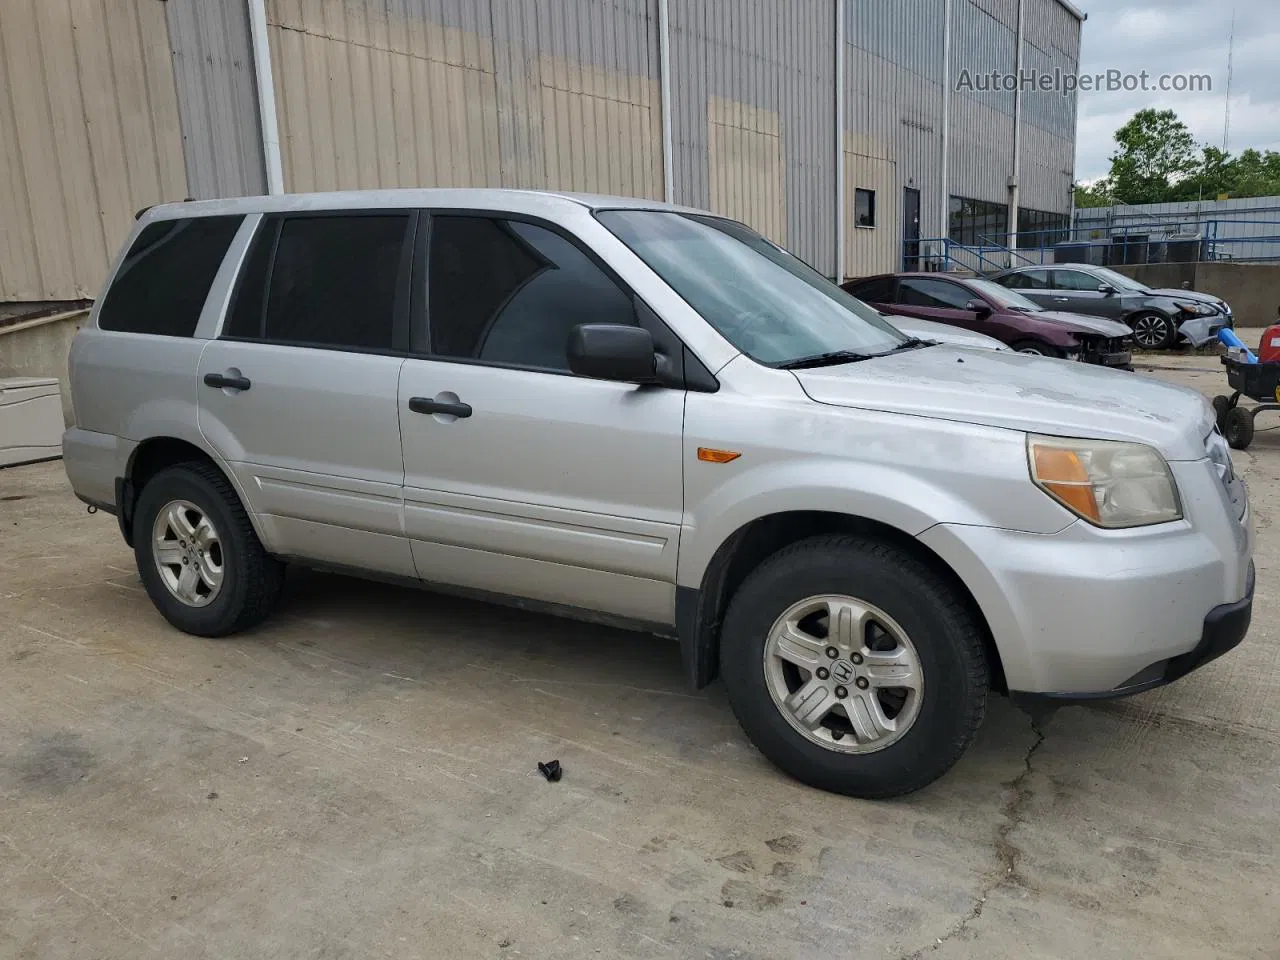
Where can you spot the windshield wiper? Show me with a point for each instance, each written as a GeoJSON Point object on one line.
{"type": "Point", "coordinates": [913, 343]}
{"type": "Point", "coordinates": [824, 360]}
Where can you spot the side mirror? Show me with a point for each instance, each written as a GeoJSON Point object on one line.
{"type": "Point", "coordinates": [613, 351]}
{"type": "Point", "coordinates": [980, 307]}
{"type": "Point", "coordinates": [1107, 290]}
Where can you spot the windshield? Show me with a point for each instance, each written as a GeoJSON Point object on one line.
{"type": "Point", "coordinates": [1003, 296]}
{"type": "Point", "coordinates": [1119, 280]}
{"type": "Point", "coordinates": [760, 298]}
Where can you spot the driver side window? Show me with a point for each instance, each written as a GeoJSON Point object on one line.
{"type": "Point", "coordinates": [1076, 280]}
{"type": "Point", "coordinates": [509, 293]}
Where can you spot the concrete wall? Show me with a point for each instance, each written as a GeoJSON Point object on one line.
{"type": "Point", "coordinates": [1252, 289]}
{"type": "Point", "coordinates": [39, 348]}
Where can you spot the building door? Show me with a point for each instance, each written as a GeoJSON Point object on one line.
{"type": "Point", "coordinates": [910, 228]}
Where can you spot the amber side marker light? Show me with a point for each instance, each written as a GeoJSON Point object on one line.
{"type": "Point", "coordinates": [1062, 474]}
{"type": "Point", "coordinates": [712, 455]}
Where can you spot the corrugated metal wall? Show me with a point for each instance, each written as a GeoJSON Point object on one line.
{"type": "Point", "coordinates": [1049, 118]}
{"type": "Point", "coordinates": [558, 94]}
{"type": "Point", "coordinates": [893, 121]}
{"type": "Point", "coordinates": [217, 97]}
{"type": "Point", "coordinates": [528, 93]}
{"type": "Point", "coordinates": [984, 39]}
{"type": "Point", "coordinates": [753, 95]}
{"type": "Point", "coordinates": [89, 132]}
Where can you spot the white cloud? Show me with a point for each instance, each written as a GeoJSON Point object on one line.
{"type": "Point", "coordinates": [1181, 36]}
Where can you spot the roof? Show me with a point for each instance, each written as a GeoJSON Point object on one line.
{"type": "Point", "coordinates": [1075, 11]}
{"type": "Point", "coordinates": [514, 201]}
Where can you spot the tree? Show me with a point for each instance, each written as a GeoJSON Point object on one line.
{"type": "Point", "coordinates": [1096, 194]}
{"type": "Point", "coordinates": [1156, 151]}
{"type": "Point", "coordinates": [1158, 161]}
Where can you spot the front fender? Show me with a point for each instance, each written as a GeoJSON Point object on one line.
{"type": "Point", "coordinates": [903, 499]}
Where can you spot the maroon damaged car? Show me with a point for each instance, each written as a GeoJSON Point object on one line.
{"type": "Point", "coordinates": [987, 307]}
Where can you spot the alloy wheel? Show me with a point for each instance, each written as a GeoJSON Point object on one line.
{"type": "Point", "coordinates": [843, 673]}
{"type": "Point", "coordinates": [1150, 331]}
{"type": "Point", "coordinates": [188, 553]}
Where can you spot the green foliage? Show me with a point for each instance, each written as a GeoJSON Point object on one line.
{"type": "Point", "coordinates": [1158, 161]}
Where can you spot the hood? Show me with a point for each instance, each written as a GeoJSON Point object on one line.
{"type": "Point", "coordinates": [1034, 394]}
{"type": "Point", "coordinates": [1085, 324]}
{"type": "Point", "coordinates": [1191, 295]}
{"type": "Point", "coordinates": [943, 333]}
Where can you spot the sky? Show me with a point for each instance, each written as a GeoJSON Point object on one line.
{"type": "Point", "coordinates": [1181, 36]}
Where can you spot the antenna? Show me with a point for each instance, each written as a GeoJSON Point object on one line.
{"type": "Point", "coordinates": [1226, 114]}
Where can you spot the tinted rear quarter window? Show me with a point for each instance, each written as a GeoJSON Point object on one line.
{"type": "Point", "coordinates": [165, 278]}
{"type": "Point", "coordinates": [330, 281]}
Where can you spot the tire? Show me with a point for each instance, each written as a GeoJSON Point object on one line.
{"type": "Point", "coordinates": [1237, 427]}
{"type": "Point", "coordinates": [905, 595]}
{"type": "Point", "coordinates": [1035, 348]}
{"type": "Point", "coordinates": [1153, 331]}
{"type": "Point", "coordinates": [248, 579]}
{"type": "Point", "coordinates": [1221, 407]}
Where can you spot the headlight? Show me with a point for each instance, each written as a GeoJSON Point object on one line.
{"type": "Point", "coordinates": [1109, 483]}
{"type": "Point", "coordinates": [1199, 309]}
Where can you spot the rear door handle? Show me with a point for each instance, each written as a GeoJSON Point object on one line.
{"type": "Point", "coordinates": [427, 405]}
{"type": "Point", "coordinates": [231, 383]}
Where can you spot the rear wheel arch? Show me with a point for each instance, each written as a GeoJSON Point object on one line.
{"type": "Point", "coordinates": [154, 455]}
{"type": "Point", "coordinates": [700, 610]}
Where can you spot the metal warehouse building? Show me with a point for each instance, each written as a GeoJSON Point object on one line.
{"type": "Point", "coordinates": [730, 105]}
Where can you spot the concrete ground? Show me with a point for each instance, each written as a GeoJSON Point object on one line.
{"type": "Point", "coordinates": [357, 779]}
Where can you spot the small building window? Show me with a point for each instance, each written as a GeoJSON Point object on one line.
{"type": "Point", "coordinates": [864, 208]}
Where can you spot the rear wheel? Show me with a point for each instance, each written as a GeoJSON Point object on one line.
{"type": "Point", "coordinates": [854, 667]}
{"type": "Point", "coordinates": [1036, 348]}
{"type": "Point", "coordinates": [1153, 331]}
{"type": "Point", "coordinates": [199, 558]}
{"type": "Point", "coordinates": [1238, 427]}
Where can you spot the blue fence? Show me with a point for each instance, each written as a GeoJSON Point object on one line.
{"type": "Point", "coordinates": [1248, 241]}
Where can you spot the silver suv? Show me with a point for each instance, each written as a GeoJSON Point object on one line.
{"type": "Point", "coordinates": [652, 416]}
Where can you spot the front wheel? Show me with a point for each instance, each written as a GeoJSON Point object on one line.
{"type": "Point", "coordinates": [199, 558]}
{"type": "Point", "coordinates": [1153, 331]}
{"type": "Point", "coordinates": [1034, 348]}
{"type": "Point", "coordinates": [854, 667]}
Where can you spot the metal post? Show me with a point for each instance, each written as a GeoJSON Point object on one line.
{"type": "Point", "coordinates": [944, 157]}
{"type": "Point", "coordinates": [664, 82]}
{"type": "Point", "coordinates": [1014, 182]}
{"type": "Point", "coordinates": [839, 123]}
{"type": "Point", "coordinates": [266, 96]}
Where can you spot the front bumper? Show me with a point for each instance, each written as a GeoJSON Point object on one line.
{"type": "Point", "coordinates": [1088, 611]}
{"type": "Point", "coordinates": [1224, 628]}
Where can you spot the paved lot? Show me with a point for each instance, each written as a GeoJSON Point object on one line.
{"type": "Point", "coordinates": [357, 779]}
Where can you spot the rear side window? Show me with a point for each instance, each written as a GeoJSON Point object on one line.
{"type": "Point", "coordinates": [874, 291]}
{"type": "Point", "coordinates": [1026, 280]}
{"type": "Point", "coordinates": [938, 294]}
{"type": "Point", "coordinates": [508, 292]}
{"type": "Point", "coordinates": [162, 285]}
{"type": "Point", "coordinates": [327, 281]}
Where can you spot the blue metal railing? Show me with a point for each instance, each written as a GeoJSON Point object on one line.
{"type": "Point", "coordinates": [1130, 243]}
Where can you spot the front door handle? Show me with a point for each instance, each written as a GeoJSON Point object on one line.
{"type": "Point", "coordinates": [231, 383]}
{"type": "Point", "coordinates": [428, 405]}
{"type": "Point", "coordinates": [1062, 299]}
